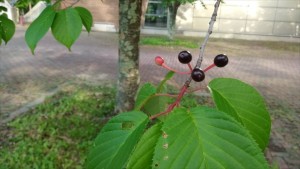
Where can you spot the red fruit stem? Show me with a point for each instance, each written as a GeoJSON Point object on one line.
{"type": "Point", "coordinates": [190, 66]}
{"type": "Point", "coordinates": [209, 67]}
{"type": "Point", "coordinates": [183, 73]}
{"type": "Point", "coordinates": [171, 106]}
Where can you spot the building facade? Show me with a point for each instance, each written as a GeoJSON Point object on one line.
{"type": "Point", "coordinates": [247, 19]}
{"type": "Point", "coordinates": [244, 19]}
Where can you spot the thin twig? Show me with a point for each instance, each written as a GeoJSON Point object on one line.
{"type": "Point", "coordinates": [209, 32]}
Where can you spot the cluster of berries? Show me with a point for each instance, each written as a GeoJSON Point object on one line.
{"type": "Point", "coordinates": [197, 73]}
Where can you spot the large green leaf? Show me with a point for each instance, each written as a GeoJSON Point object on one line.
{"type": "Point", "coordinates": [86, 17]}
{"type": "Point", "coordinates": [144, 151]}
{"type": "Point", "coordinates": [39, 27]}
{"type": "Point", "coordinates": [144, 94]}
{"type": "Point", "coordinates": [206, 138]}
{"type": "Point", "coordinates": [116, 141]}
{"type": "Point", "coordinates": [7, 27]}
{"type": "Point", "coordinates": [245, 104]}
{"type": "Point", "coordinates": [67, 26]}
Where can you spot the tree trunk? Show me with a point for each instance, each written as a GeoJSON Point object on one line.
{"type": "Point", "coordinates": [129, 36]}
{"type": "Point", "coordinates": [172, 12]}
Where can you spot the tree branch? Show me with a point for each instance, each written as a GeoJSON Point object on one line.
{"type": "Point", "coordinates": [209, 32]}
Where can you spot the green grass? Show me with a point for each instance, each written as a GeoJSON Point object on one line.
{"type": "Point", "coordinates": [59, 132]}
{"type": "Point", "coordinates": [195, 42]}
{"type": "Point", "coordinates": [273, 45]}
{"type": "Point", "coordinates": [164, 41]}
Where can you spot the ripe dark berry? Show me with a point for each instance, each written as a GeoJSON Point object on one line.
{"type": "Point", "coordinates": [221, 60]}
{"type": "Point", "coordinates": [198, 75]}
{"type": "Point", "coordinates": [184, 57]}
{"type": "Point", "coordinates": [159, 60]}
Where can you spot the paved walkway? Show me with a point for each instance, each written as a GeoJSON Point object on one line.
{"type": "Point", "coordinates": [25, 77]}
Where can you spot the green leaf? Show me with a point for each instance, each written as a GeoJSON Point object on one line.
{"type": "Point", "coordinates": [144, 151]}
{"type": "Point", "coordinates": [156, 104]}
{"type": "Point", "coordinates": [144, 94]}
{"type": "Point", "coordinates": [2, 8]}
{"type": "Point", "coordinates": [148, 102]}
{"type": "Point", "coordinates": [39, 27]}
{"type": "Point", "coordinates": [4, 15]}
{"type": "Point", "coordinates": [116, 141]}
{"type": "Point", "coordinates": [245, 104]}
{"type": "Point", "coordinates": [86, 17]}
{"type": "Point", "coordinates": [67, 26]}
{"type": "Point", "coordinates": [206, 138]}
{"type": "Point", "coordinates": [168, 76]}
{"type": "Point", "coordinates": [7, 27]}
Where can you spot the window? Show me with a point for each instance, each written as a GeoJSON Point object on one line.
{"type": "Point", "coordinates": [156, 14]}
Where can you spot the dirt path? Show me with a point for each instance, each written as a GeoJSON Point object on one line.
{"type": "Point", "coordinates": [273, 68]}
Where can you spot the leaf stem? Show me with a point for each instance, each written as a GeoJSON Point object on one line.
{"type": "Point", "coordinates": [173, 105]}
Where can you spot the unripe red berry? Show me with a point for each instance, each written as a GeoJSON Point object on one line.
{"type": "Point", "coordinates": [159, 60]}
{"type": "Point", "coordinates": [221, 60]}
{"type": "Point", "coordinates": [198, 75]}
{"type": "Point", "coordinates": [185, 57]}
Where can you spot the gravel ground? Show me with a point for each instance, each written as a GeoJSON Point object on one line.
{"type": "Point", "coordinates": [273, 68]}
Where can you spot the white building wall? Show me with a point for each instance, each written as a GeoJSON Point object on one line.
{"type": "Point", "coordinates": [246, 19]}
{"type": "Point", "coordinates": [35, 12]}
{"type": "Point", "coordinates": [9, 9]}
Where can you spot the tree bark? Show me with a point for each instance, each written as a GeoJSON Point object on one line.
{"type": "Point", "coordinates": [129, 36]}
{"type": "Point", "coordinates": [172, 12]}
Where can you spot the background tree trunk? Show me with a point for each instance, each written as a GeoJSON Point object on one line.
{"type": "Point", "coordinates": [172, 12]}
{"type": "Point", "coordinates": [129, 36]}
